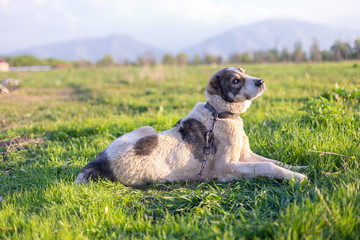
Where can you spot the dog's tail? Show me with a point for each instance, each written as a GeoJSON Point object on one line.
{"type": "Point", "coordinates": [99, 168]}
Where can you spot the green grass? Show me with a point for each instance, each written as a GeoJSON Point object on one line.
{"type": "Point", "coordinates": [60, 120]}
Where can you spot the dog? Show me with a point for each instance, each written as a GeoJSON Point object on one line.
{"type": "Point", "coordinates": [184, 153]}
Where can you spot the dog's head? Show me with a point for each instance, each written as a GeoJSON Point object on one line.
{"type": "Point", "coordinates": [232, 89]}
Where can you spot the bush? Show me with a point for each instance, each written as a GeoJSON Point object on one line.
{"type": "Point", "coordinates": [342, 95]}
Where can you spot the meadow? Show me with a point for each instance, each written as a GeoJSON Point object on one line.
{"type": "Point", "coordinates": [55, 122]}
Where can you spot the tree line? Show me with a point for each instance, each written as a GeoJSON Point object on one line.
{"type": "Point", "coordinates": [339, 51]}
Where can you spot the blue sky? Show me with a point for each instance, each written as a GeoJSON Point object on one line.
{"type": "Point", "coordinates": [168, 24]}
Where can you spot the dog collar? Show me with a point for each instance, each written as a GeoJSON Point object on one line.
{"type": "Point", "coordinates": [215, 114]}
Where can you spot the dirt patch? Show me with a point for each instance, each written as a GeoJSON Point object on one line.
{"type": "Point", "coordinates": [37, 95]}
{"type": "Point", "coordinates": [8, 85]}
{"type": "Point", "coordinates": [18, 143]}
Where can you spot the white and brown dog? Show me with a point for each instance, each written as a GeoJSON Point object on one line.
{"type": "Point", "coordinates": [176, 155]}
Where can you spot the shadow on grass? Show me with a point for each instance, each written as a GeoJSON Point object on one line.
{"type": "Point", "coordinates": [33, 176]}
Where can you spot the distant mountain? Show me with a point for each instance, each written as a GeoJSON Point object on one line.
{"type": "Point", "coordinates": [272, 34]}
{"type": "Point", "coordinates": [120, 47]}
{"type": "Point", "coordinates": [263, 35]}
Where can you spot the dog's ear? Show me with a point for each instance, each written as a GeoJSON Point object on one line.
{"type": "Point", "coordinates": [214, 87]}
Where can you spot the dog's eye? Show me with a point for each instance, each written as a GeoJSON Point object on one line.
{"type": "Point", "coordinates": [236, 81]}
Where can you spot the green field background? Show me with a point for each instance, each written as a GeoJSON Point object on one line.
{"type": "Point", "coordinates": [55, 122]}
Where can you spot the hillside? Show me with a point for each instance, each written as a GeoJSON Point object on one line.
{"type": "Point", "coordinates": [120, 47]}
{"type": "Point", "coordinates": [269, 34]}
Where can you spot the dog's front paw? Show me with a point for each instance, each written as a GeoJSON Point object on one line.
{"type": "Point", "coordinates": [300, 177]}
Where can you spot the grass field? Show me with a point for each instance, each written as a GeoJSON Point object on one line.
{"type": "Point", "coordinates": [57, 121]}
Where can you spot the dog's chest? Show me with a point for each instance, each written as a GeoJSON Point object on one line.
{"type": "Point", "coordinates": [229, 137]}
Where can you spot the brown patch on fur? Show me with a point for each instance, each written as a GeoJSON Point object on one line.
{"type": "Point", "coordinates": [242, 70]}
{"type": "Point", "coordinates": [193, 132]}
{"type": "Point", "coordinates": [145, 145]}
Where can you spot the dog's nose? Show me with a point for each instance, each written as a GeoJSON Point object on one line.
{"type": "Point", "coordinates": [259, 82]}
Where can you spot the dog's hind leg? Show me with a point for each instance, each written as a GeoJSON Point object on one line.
{"type": "Point", "coordinates": [101, 166]}
{"type": "Point", "coordinates": [98, 168]}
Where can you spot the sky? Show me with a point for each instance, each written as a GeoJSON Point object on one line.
{"type": "Point", "coordinates": [167, 24]}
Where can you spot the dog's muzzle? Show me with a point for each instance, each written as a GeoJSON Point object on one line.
{"type": "Point", "coordinates": [259, 82]}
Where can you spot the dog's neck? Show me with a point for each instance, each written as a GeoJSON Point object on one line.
{"type": "Point", "coordinates": [216, 114]}
{"type": "Point", "coordinates": [220, 105]}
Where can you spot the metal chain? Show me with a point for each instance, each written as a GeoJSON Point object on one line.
{"type": "Point", "coordinates": [209, 140]}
